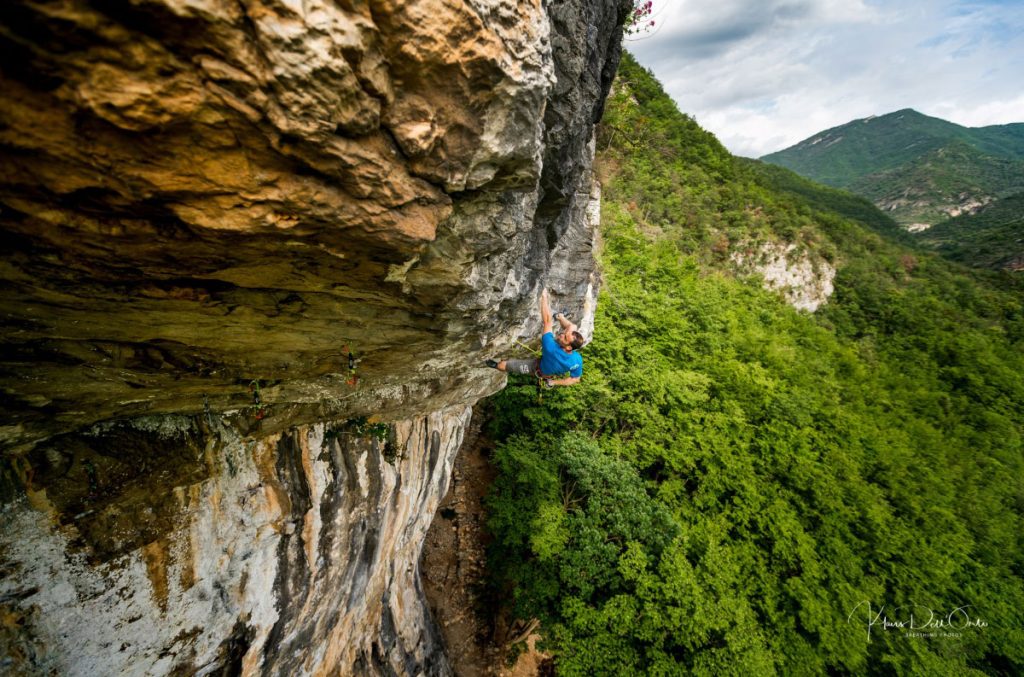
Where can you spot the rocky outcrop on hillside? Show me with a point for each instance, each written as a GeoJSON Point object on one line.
{"type": "Point", "coordinates": [937, 209]}
{"type": "Point", "coordinates": [803, 279]}
{"type": "Point", "coordinates": [233, 228]}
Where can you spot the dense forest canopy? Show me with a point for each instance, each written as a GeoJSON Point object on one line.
{"type": "Point", "coordinates": [735, 486]}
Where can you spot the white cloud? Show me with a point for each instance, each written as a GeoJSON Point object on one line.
{"type": "Point", "coordinates": [991, 113]}
{"type": "Point", "coordinates": [763, 75]}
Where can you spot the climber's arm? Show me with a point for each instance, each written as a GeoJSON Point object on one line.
{"type": "Point", "coordinates": [567, 325]}
{"type": "Point", "coordinates": [545, 311]}
{"type": "Point", "coordinates": [568, 381]}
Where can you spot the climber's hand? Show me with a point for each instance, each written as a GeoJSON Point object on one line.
{"type": "Point", "coordinates": [548, 383]}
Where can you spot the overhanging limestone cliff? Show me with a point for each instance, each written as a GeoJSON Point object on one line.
{"type": "Point", "coordinates": [200, 195]}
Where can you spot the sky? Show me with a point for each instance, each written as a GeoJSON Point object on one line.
{"type": "Point", "coordinates": [763, 75]}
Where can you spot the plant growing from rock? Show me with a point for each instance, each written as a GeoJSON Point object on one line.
{"type": "Point", "coordinates": [639, 18]}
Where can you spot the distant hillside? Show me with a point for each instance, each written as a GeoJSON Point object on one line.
{"type": "Point", "coordinates": [917, 168]}
{"type": "Point", "coordinates": [991, 238]}
{"type": "Point", "coordinates": [824, 198]}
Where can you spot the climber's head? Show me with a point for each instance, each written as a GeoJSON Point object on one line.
{"type": "Point", "coordinates": [570, 340]}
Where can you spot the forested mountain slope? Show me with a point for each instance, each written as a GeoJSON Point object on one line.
{"type": "Point", "coordinates": [918, 168]}
{"type": "Point", "coordinates": [991, 238]}
{"type": "Point", "coordinates": [737, 487]}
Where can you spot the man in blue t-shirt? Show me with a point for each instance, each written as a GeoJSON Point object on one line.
{"type": "Point", "coordinates": [559, 363]}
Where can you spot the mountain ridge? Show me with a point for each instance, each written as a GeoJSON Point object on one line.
{"type": "Point", "coordinates": [919, 169]}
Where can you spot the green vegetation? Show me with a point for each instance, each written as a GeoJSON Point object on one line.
{"type": "Point", "coordinates": [913, 165]}
{"type": "Point", "coordinates": [359, 427]}
{"type": "Point", "coordinates": [732, 478]}
{"type": "Point", "coordinates": [828, 200]}
{"type": "Point", "coordinates": [991, 238]}
{"type": "Point", "coordinates": [842, 155]}
{"type": "Point", "coordinates": [923, 190]}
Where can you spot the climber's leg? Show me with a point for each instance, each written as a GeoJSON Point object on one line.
{"type": "Point", "coordinates": [526, 367]}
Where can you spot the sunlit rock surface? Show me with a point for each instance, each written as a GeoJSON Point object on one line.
{"type": "Point", "coordinates": [233, 231]}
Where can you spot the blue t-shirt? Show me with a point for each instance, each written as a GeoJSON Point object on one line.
{"type": "Point", "coordinates": [554, 360]}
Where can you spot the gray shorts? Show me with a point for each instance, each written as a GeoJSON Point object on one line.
{"type": "Point", "coordinates": [529, 367]}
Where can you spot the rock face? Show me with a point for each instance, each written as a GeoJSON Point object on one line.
{"type": "Point", "coordinates": [200, 194]}
{"type": "Point", "coordinates": [297, 554]}
{"type": "Point", "coordinates": [233, 231]}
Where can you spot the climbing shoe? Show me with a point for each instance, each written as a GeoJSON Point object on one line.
{"type": "Point", "coordinates": [493, 364]}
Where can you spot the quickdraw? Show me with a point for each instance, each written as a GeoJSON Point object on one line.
{"type": "Point", "coordinates": [257, 400]}
{"type": "Point", "coordinates": [353, 362]}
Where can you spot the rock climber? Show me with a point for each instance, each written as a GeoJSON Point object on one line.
{"type": "Point", "coordinates": [559, 364]}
